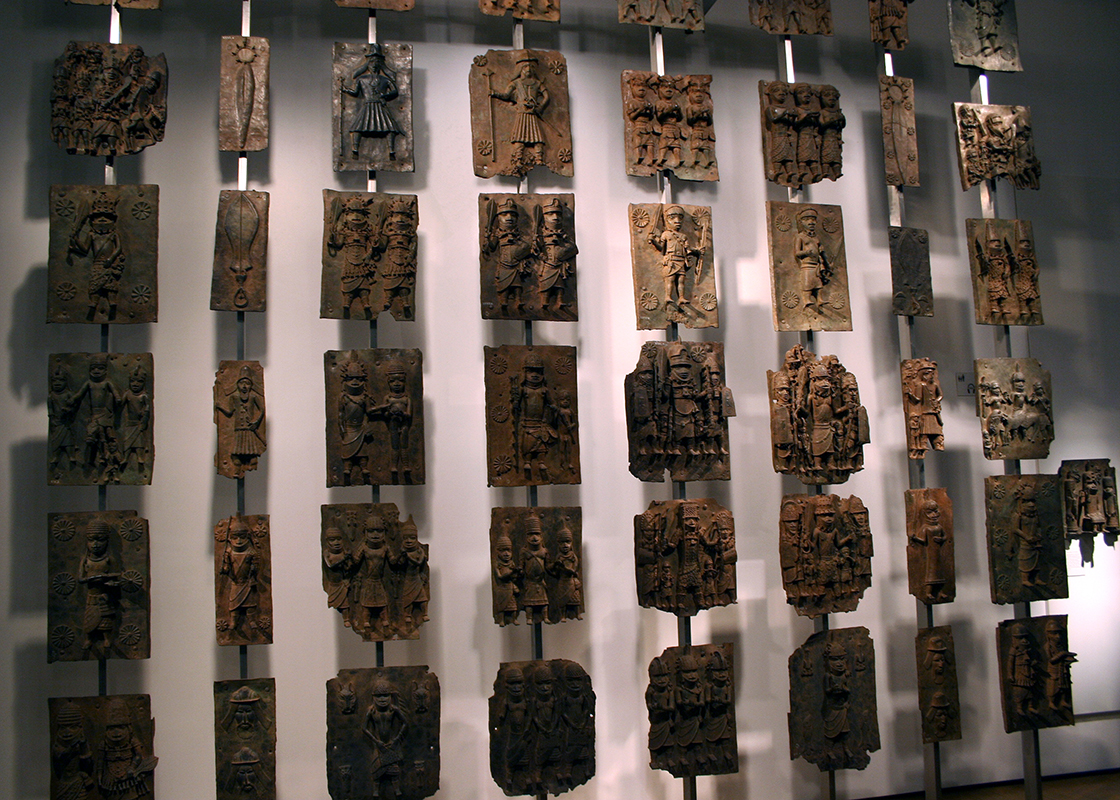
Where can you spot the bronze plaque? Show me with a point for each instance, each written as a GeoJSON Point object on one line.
{"type": "Point", "coordinates": [383, 733]}
{"type": "Point", "coordinates": [900, 137]}
{"type": "Point", "coordinates": [519, 113]}
{"type": "Point", "coordinates": [104, 248]}
{"type": "Point", "coordinates": [98, 571]}
{"type": "Point", "coordinates": [1016, 412]}
{"type": "Point", "coordinates": [921, 401]}
{"type": "Point", "coordinates": [833, 717]}
{"type": "Point", "coordinates": [825, 548]}
{"type": "Point", "coordinates": [243, 94]}
{"type": "Point", "coordinates": [1004, 272]}
{"type": "Point", "coordinates": [101, 747]}
{"type": "Point", "coordinates": [541, 10]}
{"type": "Point", "coordinates": [245, 739]}
{"type": "Point", "coordinates": [542, 727]}
{"type": "Point", "coordinates": [996, 142]}
{"type": "Point", "coordinates": [239, 415]}
{"type": "Point", "coordinates": [938, 698]}
{"type": "Point", "coordinates": [1035, 662]}
{"type": "Point", "coordinates": [240, 252]}
{"type": "Point", "coordinates": [527, 253]}
{"type": "Point", "coordinates": [668, 125]}
{"type": "Point", "coordinates": [808, 268]}
{"type": "Point", "coordinates": [536, 564]}
{"type": "Point", "coordinates": [243, 580]}
{"type": "Point", "coordinates": [1089, 503]}
{"type": "Point", "coordinates": [375, 417]}
{"type": "Point", "coordinates": [384, 5]}
{"type": "Point", "coordinates": [889, 23]}
{"type": "Point", "coordinates": [139, 4]}
{"type": "Point", "coordinates": [985, 34]}
{"type": "Point", "coordinates": [817, 425]}
{"type": "Point", "coordinates": [802, 132]}
{"type": "Point", "coordinates": [108, 99]}
{"type": "Point", "coordinates": [691, 705]}
{"type": "Point", "coordinates": [813, 17]}
{"type": "Point", "coordinates": [674, 267]}
{"type": "Point", "coordinates": [930, 562]}
{"type": "Point", "coordinates": [532, 416]}
{"type": "Point", "coordinates": [100, 412]}
{"type": "Point", "coordinates": [687, 14]}
{"type": "Point", "coordinates": [375, 570]}
{"type": "Point", "coordinates": [677, 407]}
{"type": "Point", "coordinates": [684, 556]}
{"type": "Point", "coordinates": [1026, 556]}
{"type": "Point", "coordinates": [372, 107]}
{"type": "Point", "coordinates": [911, 285]}
{"type": "Point", "coordinates": [369, 255]}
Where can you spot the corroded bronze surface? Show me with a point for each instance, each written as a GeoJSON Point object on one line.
{"type": "Point", "coordinates": [900, 137]}
{"type": "Point", "coordinates": [527, 253]}
{"type": "Point", "coordinates": [1014, 403]}
{"type": "Point", "coordinates": [536, 564]}
{"type": "Point", "coordinates": [369, 255]}
{"type": "Point", "coordinates": [684, 554]}
{"type": "Point", "coordinates": [1089, 503]}
{"type": "Point", "coordinates": [532, 416]}
{"type": "Point", "coordinates": [375, 570]}
{"type": "Point", "coordinates": [802, 132]}
{"type": "Point", "coordinates": [1035, 662]}
{"type": "Point", "coordinates": [690, 701]}
{"type": "Point", "coordinates": [921, 401]}
{"type": "Point", "coordinates": [372, 107]}
{"type": "Point", "coordinates": [677, 407]}
{"type": "Point", "coordinates": [101, 747]}
{"type": "Point", "coordinates": [108, 99]}
{"type": "Point", "coordinates": [996, 142]}
{"type": "Point", "coordinates": [985, 34]}
{"type": "Point", "coordinates": [519, 113]}
{"type": "Point", "coordinates": [674, 266]}
{"type": "Point", "coordinates": [1026, 557]}
{"type": "Point", "coordinates": [668, 125]}
{"type": "Point", "coordinates": [833, 718]}
{"type": "Point", "coordinates": [245, 739]}
{"type": "Point", "coordinates": [1004, 272]}
{"type": "Point", "coordinates": [243, 94]}
{"type": "Point", "coordinates": [890, 25]}
{"type": "Point", "coordinates": [792, 16]}
{"type": "Point", "coordinates": [98, 605]}
{"type": "Point", "coordinates": [808, 268]}
{"type": "Point", "coordinates": [383, 733]}
{"type": "Point", "coordinates": [542, 10]}
{"type": "Point", "coordinates": [688, 14]}
{"type": "Point", "coordinates": [824, 542]}
{"type": "Point", "coordinates": [243, 580]}
{"type": "Point", "coordinates": [911, 285]}
{"type": "Point", "coordinates": [240, 252]}
{"type": "Point", "coordinates": [375, 417]}
{"type": "Point", "coordinates": [100, 412]}
{"type": "Point", "coordinates": [817, 426]}
{"type": "Point", "coordinates": [930, 562]}
{"type": "Point", "coordinates": [938, 698]}
{"type": "Point", "coordinates": [542, 727]}
{"type": "Point", "coordinates": [104, 248]}
{"type": "Point", "coordinates": [239, 415]}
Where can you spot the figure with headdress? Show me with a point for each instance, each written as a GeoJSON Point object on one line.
{"type": "Point", "coordinates": [566, 569]}
{"type": "Point", "coordinates": [339, 569]}
{"type": "Point", "coordinates": [555, 253]}
{"type": "Point", "coordinates": [241, 566]}
{"type": "Point", "coordinates": [529, 98]}
{"type": "Point", "coordinates": [371, 603]}
{"type": "Point", "coordinates": [639, 109]}
{"type": "Point", "coordinates": [661, 708]}
{"type": "Point", "coordinates": [100, 574]}
{"type": "Point", "coordinates": [412, 564]}
{"type": "Point", "coordinates": [534, 411]}
{"type": "Point", "coordinates": [701, 134]}
{"type": "Point", "coordinates": [396, 411]}
{"type": "Point", "coordinates": [511, 250]}
{"type": "Point", "coordinates": [354, 233]}
{"type": "Point", "coordinates": [1059, 683]}
{"type": "Point", "coordinates": [398, 264]}
{"type": "Point", "coordinates": [96, 237]}
{"type": "Point", "coordinates": [375, 86]}
{"type": "Point", "coordinates": [533, 565]}
{"type": "Point", "coordinates": [506, 579]}
{"type": "Point", "coordinates": [385, 727]}
{"type": "Point", "coordinates": [71, 757]}
{"type": "Point", "coordinates": [244, 407]}
{"type": "Point", "coordinates": [673, 243]}
{"type": "Point", "coordinates": [355, 407]}
{"type": "Point", "coordinates": [123, 769]}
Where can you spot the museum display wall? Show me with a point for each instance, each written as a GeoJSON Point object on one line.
{"type": "Point", "coordinates": [1068, 57]}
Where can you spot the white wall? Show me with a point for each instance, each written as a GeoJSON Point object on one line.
{"type": "Point", "coordinates": [1065, 46]}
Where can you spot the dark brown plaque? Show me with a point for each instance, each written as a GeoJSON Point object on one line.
{"type": "Point", "coordinates": [536, 564]}
{"type": "Point", "coordinates": [911, 285]}
{"type": "Point", "coordinates": [104, 247]}
{"type": "Point", "coordinates": [921, 401]}
{"type": "Point", "coordinates": [98, 605]}
{"type": "Point", "coordinates": [519, 113]}
{"type": "Point", "coordinates": [239, 415]}
{"type": "Point", "coordinates": [243, 580]}
{"type": "Point", "coordinates": [690, 701]}
{"type": "Point", "coordinates": [108, 99]}
{"type": "Point", "coordinates": [1004, 272]}
{"type": "Point", "coordinates": [542, 727]}
{"type": "Point", "coordinates": [1026, 556]}
{"type": "Point", "coordinates": [139, 4]}
{"type": "Point", "coordinates": [668, 125]}
{"type": "Point", "coordinates": [684, 554]}
{"type": "Point", "coordinates": [996, 142]}
{"type": "Point", "coordinates": [100, 411]}
{"type": "Point", "coordinates": [245, 739]}
{"type": "Point", "coordinates": [527, 253]}
{"type": "Point", "coordinates": [375, 570]}
{"type": "Point", "coordinates": [1014, 403]}
{"type": "Point", "coordinates": [985, 34]}
{"type": "Point", "coordinates": [687, 14]}
{"type": "Point", "coordinates": [677, 407]}
{"type": "Point", "coordinates": [808, 268]}
{"type": "Point", "coordinates": [240, 252]}
{"type": "Point", "coordinates": [1035, 662]}
{"type": "Point", "coordinates": [930, 562]}
{"type": "Point", "coordinates": [833, 717]}
{"type": "Point", "coordinates": [375, 417]}
{"type": "Point", "coordinates": [372, 107]}
{"type": "Point", "coordinates": [243, 94]}
{"type": "Point", "coordinates": [674, 266]}
{"type": "Point", "coordinates": [802, 127]}
{"type": "Point", "coordinates": [938, 698]}
{"type": "Point", "coordinates": [383, 733]}
{"type": "Point", "coordinates": [786, 17]}
{"type": "Point", "coordinates": [385, 5]}
{"type": "Point", "coordinates": [532, 416]}
{"type": "Point", "coordinates": [900, 138]}
{"type": "Point", "coordinates": [101, 747]}
{"type": "Point", "coordinates": [890, 25]}
{"type": "Point", "coordinates": [541, 10]}
{"type": "Point", "coordinates": [1089, 503]}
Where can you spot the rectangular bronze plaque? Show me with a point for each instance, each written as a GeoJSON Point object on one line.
{"type": "Point", "coordinates": [243, 580]}
{"type": "Point", "coordinates": [372, 107]}
{"type": "Point", "coordinates": [243, 94]}
{"type": "Point", "coordinates": [890, 24]}
{"type": "Point", "coordinates": [802, 132]}
{"type": "Point", "coordinates": [808, 268]}
{"type": "Point", "coordinates": [996, 142]}
{"type": "Point", "coordinates": [911, 284]}
{"type": "Point", "coordinates": [384, 5]}
{"type": "Point", "coordinates": [541, 10]}
{"type": "Point", "coordinates": [245, 739]}
{"type": "Point", "coordinates": [239, 415]}
{"type": "Point", "coordinates": [900, 137]}
{"type": "Point", "coordinates": [240, 252]}
{"type": "Point", "coordinates": [138, 4]}
{"type": "Point", "coordinates": [1089, 503]}
{"type": "Point", "coordinates": [930, 561]}
{"type": "Point", "coordinates": [1035, 662]}
{"type": "Point", "coordinates": [1004, 272]}
{"type": "Point", "coordinates": [1026, 552]}
{"type": "Point", "coordinates": [674, 266]}
{"type": "Point", "coordinates": [921, 402]}
{"type": "Point", "coordinates": [536, 564]}
{"type": "Point", "coordinates": [101, 747]}
{"type": "Point", "coordinates": [784, 17]}
{"type": "Point", "coordinates": [1013, 400]}
{"type": "Point", "coordinates": [985, 34]}
{"type": "Point", "coordinates": [938, 697]}
{"type": "Point", "coordinates": [687, 14]}
{"type": "Point", "coordinates": [668, 125]}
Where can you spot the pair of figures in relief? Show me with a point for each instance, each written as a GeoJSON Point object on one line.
{"type": "Point", "coordinates": [687, 14]}
{"type": "Point", "coordinates": [668, 125]}
{"type": "Point", "coordinates": [1089, 503]}
{"type": "Point", "coordinates": [245, 738]}
{"type": "Point", "coordinates": [802, 132]}
{"type": "Point", "coordinates": [812, 17]}
{"type": "Point", "coordinates": [996, 142]}
{"type": "Point", "coordinates": [1035, 664]}
{"type": "Point", "coordinates": [1004, 272]}
{"type": "Point", "coordinates": [536, 564]}
{"type": "Point", "coordinates": [1016, 413]}
{"type": "Point", "coordinates": [101, 747]}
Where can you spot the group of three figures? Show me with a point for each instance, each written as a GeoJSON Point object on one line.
{"type": "Point", "coordinates": [545, 580]}
{"type": "Point", "coordinates": [802, 127]}
{"type": "Point", "coordinates": [672, 130]}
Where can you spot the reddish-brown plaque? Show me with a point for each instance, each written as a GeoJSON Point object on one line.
{"type": "Point", "coordinates": [101, 747]}
{"type": "Point", "coordinates": [930, 562]}
{"type": "Point", "coordinates": [245, 739]}
{"type": "Point", "coordinates": [541, 10]}
{"type": "Point", "coordinates": [889, 23]}
{"type": "Point", "coordinates": [808, 268]}
{"type": "Point", "coordinates": [996, 142]}
{"type": "Point", "coordinates": [1089, 503]}
{"type": "Point", "coordinates": [900, 139]}
{"type": "Point", "coordinates": [239, 415]}
{"type": "Point", "coordinates": [240, 252]}
{"type": "Point", "coordinates": [911, 284]}
{"type": "Point", "coordinates": [985, 34]}
{"type": "Point", "coordinates": [1026, 557]}
{"type": "Point", "coordinates": [938, 697]}
{"type": "Point", "coordinates": [1004, 272]}
{"type": "Point", "coordinates": [802, 132]}
{"type": "Point", "coordinates": [243, 94]}
{"type": "Point", "coordinates": [536, 564]}
{"type": "Point", "coordinates": [687, 14]}
{"type": "Point", "coordinates": [243, 580]}
{"type": "Point", "coordinates": [1035, 664]}
{"type": "Point", "coordinates": [921, 401]}
{"type": "Point", "coordinates": [668, 125]}
{"type": "Point", "coordinates": [674, 266]}
{"type": "Point", "coordinates": [1014, 403]}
